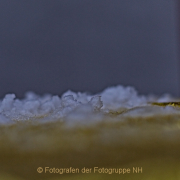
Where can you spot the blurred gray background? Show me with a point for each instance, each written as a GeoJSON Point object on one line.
{"type": "Point", "coordinates": [87, 45]}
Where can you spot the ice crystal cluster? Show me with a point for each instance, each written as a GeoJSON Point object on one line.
{"type": "Point", "coordinates": [72, 106]}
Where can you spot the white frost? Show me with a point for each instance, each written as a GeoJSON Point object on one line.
{"type": "Point", "coordinates": [121, 97]}
{"type": "Point", "coordinates": [75, 107]}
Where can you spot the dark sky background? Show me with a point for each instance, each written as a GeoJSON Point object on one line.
{"type": "Point", "coordinates": [87, 45]}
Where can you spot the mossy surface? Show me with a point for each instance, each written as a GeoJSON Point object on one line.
{"type": "Point", "coordinates": [152, 143]}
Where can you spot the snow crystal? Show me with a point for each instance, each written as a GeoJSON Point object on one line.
{"type": "Point", "coordinates": [77, 107]}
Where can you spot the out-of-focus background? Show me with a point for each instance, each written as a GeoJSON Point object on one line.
{"type": "Point", "coordinates": [87, 45]}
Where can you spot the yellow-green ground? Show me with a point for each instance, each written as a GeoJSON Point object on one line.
{"type": "Point", "coordinates": [151, 144]}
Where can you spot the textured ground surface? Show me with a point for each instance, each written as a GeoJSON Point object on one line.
{"type": "Point", "coordinates": [152, 143]}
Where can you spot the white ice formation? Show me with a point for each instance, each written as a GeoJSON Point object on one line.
{"type": "Point", "coordinates": [78, 107]}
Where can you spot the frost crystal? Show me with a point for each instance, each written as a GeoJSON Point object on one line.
{"type": "Point", "coordinates": [78, 107]}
